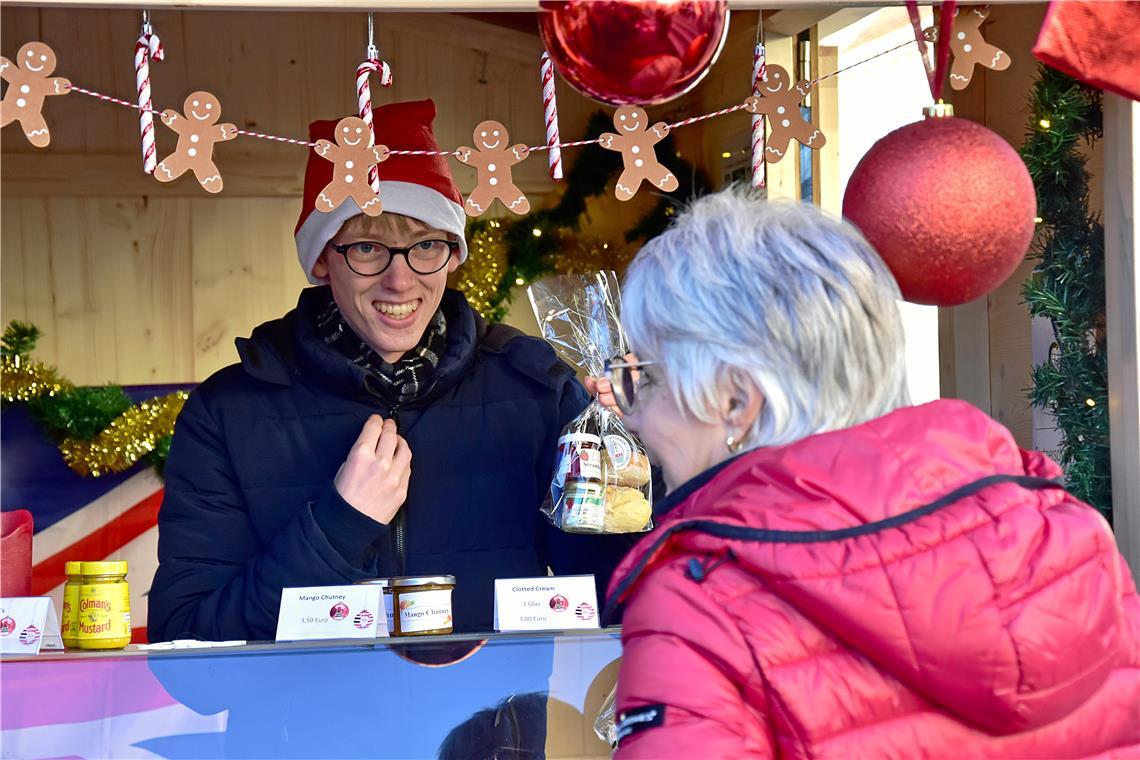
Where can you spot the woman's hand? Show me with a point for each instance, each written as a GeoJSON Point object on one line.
{"type": "Point", "coordinates": [603, 390]}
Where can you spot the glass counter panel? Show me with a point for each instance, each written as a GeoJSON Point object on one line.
{"type": "Point", "coordinates": [502, 696]}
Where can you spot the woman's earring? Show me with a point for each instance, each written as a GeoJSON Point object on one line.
{"type": "Point", "coordinates": [733, 445]}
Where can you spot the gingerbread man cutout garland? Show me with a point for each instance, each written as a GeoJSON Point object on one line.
{"type": "Point", "coordinates": [780, 102]}
{"type": "Point", "coordinates": [493, 161]}
{"type": "Point", "coordinates": [970, 48]}
{"type": "Point", "coordinates": [353, 155]}
{"type": "Point", "coordinates": [29, 83]}
{"type": "Point", "coordinates": [197, 132]}
{"type": "Point", "coordinates": [635, 140]}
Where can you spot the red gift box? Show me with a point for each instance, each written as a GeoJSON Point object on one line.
{"type": "Point", "coordinates": [16, 553]}
{"type": "Point", "coordinates": [1096, 42]}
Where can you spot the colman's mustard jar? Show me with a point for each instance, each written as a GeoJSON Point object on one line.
{"type": "Point", "coordinates": [104, 606]}
{"type": "Point", "coordinates": [69, 625]}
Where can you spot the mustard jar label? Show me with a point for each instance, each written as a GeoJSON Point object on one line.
{"type": "Point", "coordinates": [104, 611]}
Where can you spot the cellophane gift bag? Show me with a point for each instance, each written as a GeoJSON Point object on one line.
{"type": "Point", "coordinates": [602, 481]}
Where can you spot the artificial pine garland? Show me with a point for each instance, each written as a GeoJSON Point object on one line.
{"type": "Point", "coordinates": [1067, 285]}
{"type": "Point", "coordinates": [97, 429]}
{"type": "Point", "coordinates": [531, 256]}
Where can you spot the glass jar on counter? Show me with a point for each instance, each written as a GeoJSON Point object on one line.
{"type": "Point", "coordinates": [104, 618]}
{"type": "Point", "coordinates": [69, 624]}
{"type": "Point", "coordinates": [422, 605]}
{"type": "Point", "coordinates": [386, 591]}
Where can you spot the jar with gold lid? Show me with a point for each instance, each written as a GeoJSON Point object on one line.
{"type": "Point", "coordinates": [422, 605]}
{"type": "Point", "coordinates": [104, 606]}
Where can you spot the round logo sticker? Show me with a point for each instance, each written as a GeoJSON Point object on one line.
{"type": "Point", "coordinates": [363, 619]}
{"type": "Point", "coordinates": [585, 611]}
{"type": "Point", "coordinates": [620, 451]}
{"type": "Point", "coordinates": [339, 611]}
{"type": "Point", "coordinates": [7, 625]}
{"type": "Point", "coordinates": [559, 603]}
{"type": "Point", "coordinates": [30, 635]}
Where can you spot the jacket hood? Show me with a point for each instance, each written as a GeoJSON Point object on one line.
{"type": "Point", "coordinates": [281, 349]}
{"type": "Point", "coordinates": [928, 542]}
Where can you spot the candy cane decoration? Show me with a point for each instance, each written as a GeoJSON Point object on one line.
{"type": "Point", "coordinates": [759, 74]}
{"type": "Point", "coordinates": [371, 63]}
{"type": "Point", "coordinates": [147, 47]}
{"type": "Point", "coordinates": [364, 100]}
{"type": "Point", "coordinates": [550, 108]}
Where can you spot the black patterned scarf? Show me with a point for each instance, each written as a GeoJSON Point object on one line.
{"type": "Point", "coordinates": [406, 379]}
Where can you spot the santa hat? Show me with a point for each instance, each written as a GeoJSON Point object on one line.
{"type": "Point", "coordinates": [420, 187]}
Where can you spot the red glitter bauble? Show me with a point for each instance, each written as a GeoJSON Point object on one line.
{"type": "Point", "coordinates": [638, 52]}
{"type": "Point", "coordinates": [949, 206]}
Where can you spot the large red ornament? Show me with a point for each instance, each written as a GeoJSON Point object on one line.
{"type": "Point", "coordinates": [633, 52]}
{"type": "Point", "coordinates": [949, 206]}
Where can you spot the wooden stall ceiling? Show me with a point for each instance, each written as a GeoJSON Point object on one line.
{"type": "Point", "coordinates": [136, 282]}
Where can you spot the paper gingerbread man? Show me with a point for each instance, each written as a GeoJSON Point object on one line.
{"type": "Point", "coordinates": [780, 102]}
{"type": "Point", "coordinates": [970, 48]}
{"type": "Point", "coordinates": [197, 132]}
{"type": "Point", "coordinates": [29, 82]}
{"type": "Point", "coordinates": [635, 140]}
{"type": "Point", "coordinates": [493, 161]}
{"type": "Point", "coordinates": [353, 155]}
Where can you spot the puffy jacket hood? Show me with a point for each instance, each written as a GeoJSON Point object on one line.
{"type": "Point", "coordinates": [926, 541]}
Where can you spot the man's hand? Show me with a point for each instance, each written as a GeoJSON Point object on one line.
{"type": "Point", "coordinates": [374, 477]}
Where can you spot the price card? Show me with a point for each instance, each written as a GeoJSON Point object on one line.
{"type": "Point", "coordinates": [330, 612]}
{"type": "Point", "coordinates": [28, 624]}
{"type": "Point", "coordinates": [546, 604]}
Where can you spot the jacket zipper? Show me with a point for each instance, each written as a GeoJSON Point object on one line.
{"type": "Point", "coordinates": [399, 523]}
{"type": "Point", "coordinates": [400, 527]}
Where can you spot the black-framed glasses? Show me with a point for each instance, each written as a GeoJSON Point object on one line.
{"type": "Point", "coordinates": [626, 379]}
{"type": "Point", "coordinates": [368, 258]}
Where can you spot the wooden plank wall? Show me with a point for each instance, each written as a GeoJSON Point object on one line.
{"type": "Point", "coordinates": [987, 352]}
{"type": "Point", "coordinates": [136, 282]}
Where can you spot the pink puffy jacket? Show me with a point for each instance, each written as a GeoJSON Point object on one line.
{"type": "Point", "coordinates": [916, 586]}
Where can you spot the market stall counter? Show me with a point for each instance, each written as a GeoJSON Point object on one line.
{"type": "Point", "coordinates": [458, 696]}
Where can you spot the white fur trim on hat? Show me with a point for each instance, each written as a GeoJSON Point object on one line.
{"type": "Point", "coordinates": [406, 198]}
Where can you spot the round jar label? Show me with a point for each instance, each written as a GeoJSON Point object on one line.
{"type": "Point", "coordinates": [620, 451]}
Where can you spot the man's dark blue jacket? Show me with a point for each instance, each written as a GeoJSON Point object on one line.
{"type": "Point", "coordinates": [250, 505]}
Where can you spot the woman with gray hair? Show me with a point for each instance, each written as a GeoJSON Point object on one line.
{"type": "Point", "coordinates": [836, 572]}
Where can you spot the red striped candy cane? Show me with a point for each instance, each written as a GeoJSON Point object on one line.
{"type": "Point", "coordinates": [147, 47]}
{"type": "Point", "coordinates": [759, 74]}
{"type": "Point", "coordinates": [364, 100]}
{"type": "Point", "coordinates": [550, 108]}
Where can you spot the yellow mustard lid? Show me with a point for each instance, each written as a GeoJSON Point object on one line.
{"type": "Point", "coordinates": [105, 568]}
{"type": "Point", "coordinates": [73, 568]}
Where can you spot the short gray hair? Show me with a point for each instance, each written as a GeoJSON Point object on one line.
{"type": "Point", "coordinates": [779, 293]}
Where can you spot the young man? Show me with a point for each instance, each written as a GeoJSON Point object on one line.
{"type": "Point", "coordinates": [381, 428]}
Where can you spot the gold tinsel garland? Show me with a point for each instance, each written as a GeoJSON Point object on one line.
{"type": "Point", "coordinates": [130, 437]}
{"type": "Point", "coordinates": [25, 380]}
{"type": "Point", "coordinates": [480, 275]}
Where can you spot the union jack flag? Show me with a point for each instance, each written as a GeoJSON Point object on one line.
{"type": "Point", "coordinates": [78, 518]}
{"type": "Point", "coordinates": [98, 708]}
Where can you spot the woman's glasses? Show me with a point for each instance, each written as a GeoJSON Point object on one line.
{"type": "Point", "coordinates": [627, 378]}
